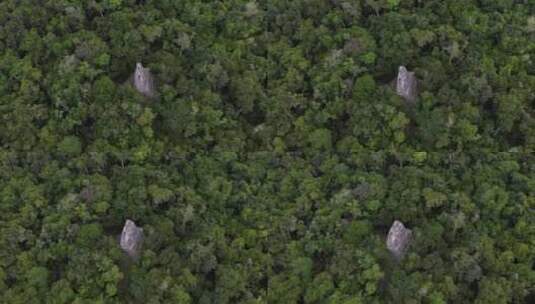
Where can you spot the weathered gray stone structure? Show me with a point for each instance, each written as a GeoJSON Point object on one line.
{"type": "Point", "coordinates": [406, 85]}
{"type": "Point", "coordinates": [398, 239]}
{"type": "Point", "coordinates": [131, 239]}
{"type": "Point", "coordinates": [143, 80]}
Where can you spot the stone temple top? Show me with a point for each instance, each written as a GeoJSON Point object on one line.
{"type": "Point", "coordinates": [406, 84]}
{"type": "Point", "coordinates": [143, 80]}
{"type": "Point", "coordinates": [131, 238]}
{"type": "Point", "coordinates": [398, 239]}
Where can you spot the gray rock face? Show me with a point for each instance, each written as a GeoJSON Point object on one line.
{"type": "Point", "coordinates": [143, 80]}
{"type": "Point", "coordinates": [406, 84]}
{"type": "Point", "coordinates": [398, 239]}
{"type": "Point", "coordinates": [131, 238]}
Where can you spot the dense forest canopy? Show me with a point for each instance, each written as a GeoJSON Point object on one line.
{"type": "Point", "coordinates": [275, 155]}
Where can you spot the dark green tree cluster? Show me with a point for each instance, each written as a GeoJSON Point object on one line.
{"type": "Point", "coordinates": [275, 156]}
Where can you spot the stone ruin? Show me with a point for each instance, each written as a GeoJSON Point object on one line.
{"type": "Point", "coordinates": [406, 84]}
{"type": "Point", "coordinates": [398, 239]}
{"type": "Point", "coordinates": [143, 81]}
{"type": "Point", "coordinates": [131, 239]}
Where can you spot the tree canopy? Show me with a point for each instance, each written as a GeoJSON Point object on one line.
{"type": "Point", "coordinates": [275, 155]}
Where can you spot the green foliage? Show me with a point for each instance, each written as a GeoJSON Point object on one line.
{"type": "Point", "coordinates": [276, 155]}
{"type": "Point", "coordinates": [70, 145]}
